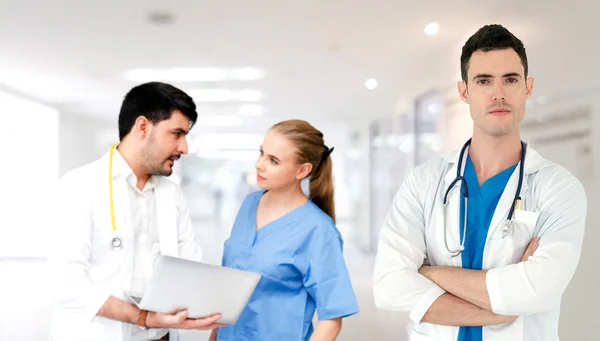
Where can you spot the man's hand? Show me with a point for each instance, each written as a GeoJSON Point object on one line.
{"type": "Point", "coordinates": [469, 285]}
{"type": "Point", "coordinates": [426, 270]}
{"type": "Point", "coordinates": [180, 320]}
{"type": "Point", "coordinates": [533, 245]}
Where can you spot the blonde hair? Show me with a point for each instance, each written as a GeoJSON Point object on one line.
{"type": "Point", "coordinates": [311, 148]}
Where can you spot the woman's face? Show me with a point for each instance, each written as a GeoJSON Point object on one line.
{"type": "Point", "coordinates": [277, 166]}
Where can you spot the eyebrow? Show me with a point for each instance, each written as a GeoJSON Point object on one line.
{"type": "Point", "coordinates": [269, 155]}
{"type": "Point", "coordinates": [485, 75]}
{"type": "Point", "coordinates": [181, 131]}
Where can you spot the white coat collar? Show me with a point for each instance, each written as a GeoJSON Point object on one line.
{"type": "Point", "coordinates": [122, 168]}
{"type": "Point", "coordinates": [533, 162]}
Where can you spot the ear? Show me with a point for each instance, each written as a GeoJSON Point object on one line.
{"type": "Point", "coordinates": [141, 127]}
{"type": "Point", "coordinates": [463, 92]}
{"type": "Point", "coordinates": [529, 87]}
{"type": "Point", "coordinates": [303, 171]}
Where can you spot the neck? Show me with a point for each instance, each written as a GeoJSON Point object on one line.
{"type": "Point", "coordinates": [287, 197]}
{"type": "Point", "coordinates": [131, 156]}
{"type": "Point", "coordinates": [491, 155]}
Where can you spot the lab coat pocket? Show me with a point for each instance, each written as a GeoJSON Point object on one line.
{"type": "Point", "coordinates": [528, 218]}
{"type": "Point", "coordinates": [523, 226]}
{"type": "Point", "coordinates": [512, 243]}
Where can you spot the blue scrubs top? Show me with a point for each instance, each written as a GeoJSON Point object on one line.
{"type": "Point", "coordinates": [300, 259]}
{"type": "Point", "coordinates": [482, 204]}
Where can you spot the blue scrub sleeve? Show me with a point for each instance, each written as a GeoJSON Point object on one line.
{"type": "Point", "coordinates": [327, 280]}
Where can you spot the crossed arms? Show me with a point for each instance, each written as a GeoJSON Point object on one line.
{"type": "Point", "coordinates": [466, 301]}
{"type": "Point", "coordinates": [462, 297]}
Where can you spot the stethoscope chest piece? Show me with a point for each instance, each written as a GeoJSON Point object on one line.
{"type": "Point", "coordinates": [117, 243]}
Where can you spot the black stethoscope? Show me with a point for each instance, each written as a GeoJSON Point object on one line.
{"type": "Point", "coordinates": [465, 193]}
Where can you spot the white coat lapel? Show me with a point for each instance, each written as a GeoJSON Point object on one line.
{"type": "Point", "coordinates": [533, 163]}
{"type": "Point", "coordinates": [122, 209]}
{"type": "Point", "coordinates": [124, 228]}
{"type": "Point", "coordinates": [120, 198]}
{"type": "Point", "coordinates": [166, 215]}
{"type": "Point", "coordinates": [122, 213]}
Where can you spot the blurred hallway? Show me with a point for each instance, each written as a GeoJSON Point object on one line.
{"type": "Point", "coordinates": [378, 79]}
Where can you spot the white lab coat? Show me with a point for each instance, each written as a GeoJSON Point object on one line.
{"type": "Point", "coordinates": [86, 270]}
{"type": "Point", "coordinates": [554, 207]}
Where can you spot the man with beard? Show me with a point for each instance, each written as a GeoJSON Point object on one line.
{"type": "Point", "coordinates": [115, 216]}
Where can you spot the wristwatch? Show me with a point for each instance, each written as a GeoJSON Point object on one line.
{"type": "Point", "coordinates": [142, 320]}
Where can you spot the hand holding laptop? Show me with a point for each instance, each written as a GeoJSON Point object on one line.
{"type": "Point", "coordinates": [213, 296]}
{"type": "Point", "coordinates": [180, 320]}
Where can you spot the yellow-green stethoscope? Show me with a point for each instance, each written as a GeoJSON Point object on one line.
{"type": "Point", "coordinates": [117, 241]}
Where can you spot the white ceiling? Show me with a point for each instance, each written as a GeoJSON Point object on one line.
{"type": "Point", "coordinates": [316, 54]}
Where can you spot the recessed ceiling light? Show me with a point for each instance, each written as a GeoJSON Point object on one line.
{"type": "Point", "coordinates": [371, 83]}
{"type": "Point", "coordinates": [432, 29]}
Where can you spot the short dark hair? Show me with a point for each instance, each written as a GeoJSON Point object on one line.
{"type": "Point", "coordinates": [156, 101]}
{"type": "Point", "coordinates": [489, 38]}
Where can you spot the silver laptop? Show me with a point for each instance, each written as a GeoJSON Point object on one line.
{"type": "Point", "coordinates": [201, 288]}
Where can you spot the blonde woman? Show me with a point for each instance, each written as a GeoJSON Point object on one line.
{"type": "Point", "coordinates": [292, 241]}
